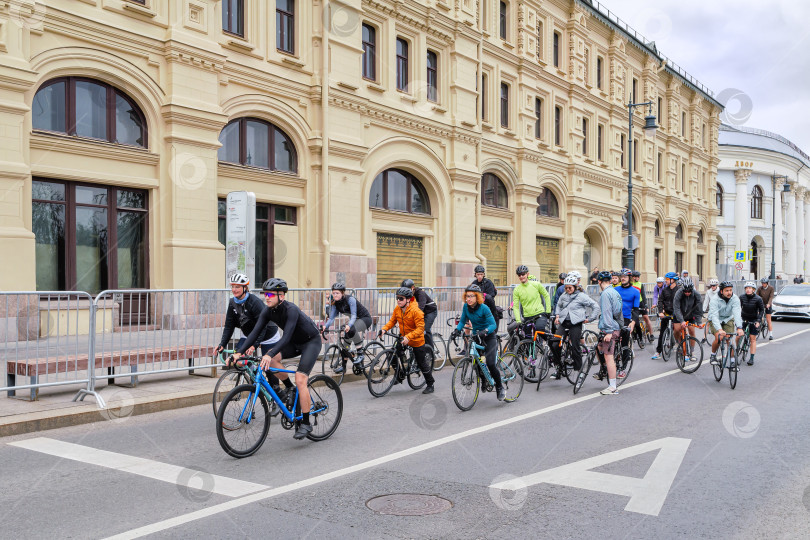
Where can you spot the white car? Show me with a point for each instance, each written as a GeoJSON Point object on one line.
{"type": "Point", "coordinates": [792, 301]}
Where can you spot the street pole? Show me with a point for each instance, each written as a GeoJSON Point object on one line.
{"type": "Point", "coordinates": [630, 256]}
{"type": "Point", "coordinates": [773, 227]}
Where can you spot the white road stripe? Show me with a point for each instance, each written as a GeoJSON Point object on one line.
{"type": "Point", "coordinates": [262, 495]}
{"type": "Point", "coordinates": [142, 467]}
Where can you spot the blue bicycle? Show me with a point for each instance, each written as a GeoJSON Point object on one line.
{"type": "Point", "coordinates": [243, 419]}
{"type": "Point", "coordinates": [472, 373]}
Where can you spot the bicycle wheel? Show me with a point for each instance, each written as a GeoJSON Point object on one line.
{"type": "Point", "coordinates": [511, 369]}
{"type": "Point", "coordinates": [721, 362]}
{"type": "Point", "coordinates": [591, 339]}
{"type": "Point", "coordinates": [695, 352]}
{"type": "Point", "coordinates": [638, 336]}
{"type": "Point", "coordinates": [439, 352]}
{"type": "Point", "coordinates": [583, 371]}
{"type": "Point", "coordinates": [531, 367]}
{"type": "Point", "coordinates": [382, 373]}
{"type": "Point", "coordinates": [327, 407]}
{"type": "Point", "coordinates": [543, 360]}
{"type": "Point", "coordinates": [708, 337]}
{"type": "Point", "coordinates": [416, 379]}
{"type": "Point", "coordinates": [248, 422]}
{"type": "Point", "coordinates": [667, 343]}
{"type": "Point", "coordinates": [369, 353]}
{"type": "Point", "coordinates": [741, 352]}
{"type": "Point", "coordinates": [626, 365]}
{"type": "Point", "coordinates": [763, 328]}
{"type": "Point", "coordinates": [732, 371]}
{"type": "Point", "coordinates": [465, 384]}
{"type": "Point", "coordinates": [229, 380]}
{"type": "Point", "coordinates": [332, 359]}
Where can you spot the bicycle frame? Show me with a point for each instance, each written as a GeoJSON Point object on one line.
{"type": "Point", "coordinates": [262, 385]}
{"type": "Point", "coordinates": [476, 356]}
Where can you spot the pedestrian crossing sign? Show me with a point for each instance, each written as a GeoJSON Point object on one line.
{"type": "Point", "coordinates": [739, 256]}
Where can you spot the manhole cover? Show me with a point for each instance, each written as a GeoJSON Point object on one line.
{"type": "Point", "coordinates": [408, 504]}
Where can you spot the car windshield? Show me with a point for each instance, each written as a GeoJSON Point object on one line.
{"type": "Point", "coordinates": [795, 290]}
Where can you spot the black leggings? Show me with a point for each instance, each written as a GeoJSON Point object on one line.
{"type": "Point", "coordinates": [574, 332]}
{"type": "Point", "coordinates": [421, 356]}
{"type": "Point", "coordinates": [309, 351]}
{"type": "Point", "coordinates": [491, 352]}
{"type": "Point", "coordinates": [664, 323]}
{"type": "Point", "coordinates": [429, 318]}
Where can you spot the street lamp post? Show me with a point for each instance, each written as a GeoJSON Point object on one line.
{"type": "Point", "coordinates": [649, 130]}
{"type": "Point", "coordinates": [785, 189]}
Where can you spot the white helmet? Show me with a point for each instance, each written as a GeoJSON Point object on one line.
{"type": "Point", "coordinates": [713, 281]}
{"type": "Point", "coordinates": [575, 274]}
{"type": "Point", "coordinates": [750, 284]}
{"type": "Point", "coordinates": [660, 280]}
{"type": "Point", "coordinates": [240, 279]}
{"type": "Point", "coordinates": [570, 280]}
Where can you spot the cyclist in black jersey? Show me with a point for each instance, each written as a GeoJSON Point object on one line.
{"type": "Point", "coordinates": [301, 337]}
{"type": "Point", "coordinates": [359, 319]}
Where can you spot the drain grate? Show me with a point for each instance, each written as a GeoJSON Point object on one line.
{"type": "Point", "coordinates": [408, 504]}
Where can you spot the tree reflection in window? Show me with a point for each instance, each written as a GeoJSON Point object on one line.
{"type": "Point", "coordinates": [395, 189]}
{"type": "Point", "coordinates": [547, 204]}
{"type": "Point", "coordinates": [493, 192]}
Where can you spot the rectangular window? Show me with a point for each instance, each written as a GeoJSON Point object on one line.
{"type": "Point", "coordinates": [703, 136]}
{"type": "Point", "coordinates": [657, 262]}
{"type": "Point", "coordinates": [599, 70]}
{"type": "Point", "coordinates": [285, 26]}
{"type": "Point", "coordinates": [89, 237]}
{"type": "Point", "coordinates": [658, 166]}
{"type": "Point", "coordinates": [660, 112]}
{"type": "Point", "coordinates": [369, 52]}
{"type": "Point", "coordinates": [683, 124]}
{"type": "Point", "coordinates": [504, 105]}
{"type": "Point", "coordinates": [558, 126]}
{"type": "Point", "coordinates": [621, 161]}
{"type": "Point", "coordinates": [635, 155]}
{"type": "Point", "coordinates": [634, 97]}
{"type": "Point", "coordinates": [699, 265]}
{"type": "Point", "coordinates": [556, 50]}
{"type": "Point", "coordinates": [432, 77]}
{"type": "Point", "coordinates": [599, 142]}
{"type": "Point", "coordinates": [585, 137]}
{"type": "Point", "coordinates": [233, 17]}
{"type": "Point", "coordinates": [503, 20]}
{"type": "Point", "coordinates": [483, 97]}
{"type": "Point", "coordinates": [678, 261]}
{"type": "Point", "coordinates": [538, 118]}
{"type": "Point", "coordinates": [402, 65]}
{"type": "Point", "coordinates": [539, 40]}
{"type": "Point", "coordinates": [683, 177]}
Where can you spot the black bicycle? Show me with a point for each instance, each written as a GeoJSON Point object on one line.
{"type": "Point", "coordinates": [339, 356]}
{"type": "Point", "coordinates": [392, 366]}
{"type": "Point", "coordinates": [624, 362]}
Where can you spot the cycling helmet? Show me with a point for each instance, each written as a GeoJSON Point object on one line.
{"type": "Point", "coordinates": [626, 272]}
{"type": "Point", "coordinates": [763, 280]}
{"type": "Point", "coordinates": [688, 284]}
{"type": "Point", "coordinates": [604, 275]}
{"type": "Point", "coordinates": [522, 269]}
{"type": "Point", "coordinates": [615, 273]}
{"type": "Point", "coordinates": [571, 280]}
{"type": "Point", "coordinates": [575, 274]}
{"type": "Point", "coordinates": [713, 281]}
{"type": "Point", "coordinates": [671, 275]}
{"type": "Point", "coordinates": [275, 284]}
{"type": "Point", "coordinates": [472, 287]}
{"type": "Point", "coordinates": [562, 275]}
{"type": "Point", "coordinates": [725, 284]}
{"type": "Point", "coordinates": [405, 291]}
{"type": "Point", "coordinates": [339, 287]}
{"type": "Point", "coordinates": [636, 273]}
{"type": "Point", "coordinates": [479, 269]}
{"type": "Point", "coordinates": [660, 280]}
{"type": "Point", "coordinates": [240, 279]}
{"type": "Point", "coordinates": [750, 284]}
{"type": "Point", "coordinates": [406, 283]}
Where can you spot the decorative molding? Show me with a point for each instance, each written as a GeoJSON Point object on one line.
{"type": "Point", "coordinates": [80, 146]}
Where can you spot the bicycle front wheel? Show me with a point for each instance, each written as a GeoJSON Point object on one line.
{"type": "Point", "coordinates": [370, 352]}
{"type": "Point", "coordinates": [332, 360]}
{"type": "Point", "coordinates": [512, 376]}
{"type": "Point", "coordinates": [718, 368]}
{"type": "Point", "coordinates": [591, 339]}
{"type": "Point", "coordinates": [689, 347]}
{"type": "Point", "coordinates": [626, 365]}
{"type": "Point", "coordinates": [382, 373]}
{"type": "Point", "coordinates": [531, 367]}
{"type": "Point", "coordinates": [571, 373]}
{"type": "Point", "coordinates": [247, 422]}
{"type": "Point", "coordinates": [667, 343]}
{"type": "Point", "coordinates": [439, 352]}
{"type": "Point", "coordinates": [229, 380]}
{"type": "Point", "coordinates": [465, 384]}
{"type": "Point", "coordinates": [583, 371]}
{"type": "Point", "coordinates": [416, 378]}
{"type": "Point", "coordinates": [327, 407]}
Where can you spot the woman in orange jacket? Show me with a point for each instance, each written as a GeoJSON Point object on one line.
{"type": "Point", "coordinates": [411, 322]}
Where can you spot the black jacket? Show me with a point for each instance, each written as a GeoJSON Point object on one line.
{"type": "Point", "coordinates": [752, 307]}
{"type": "Point", "coordinates": [244, 317]}
{"type": "Point", "coordinates": [487, 286]}
{"type": "Point", "coordinates": [297, 327]}
{"type": "Point", "coordinates": [687, 308]}
{"type": "Point", "coordinates": [426, 303]}
{"type": "Point", "coordinates": [666, 298]}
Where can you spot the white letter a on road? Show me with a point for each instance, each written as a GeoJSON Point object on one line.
{"type": "Point", "coordinates": [647, 495]}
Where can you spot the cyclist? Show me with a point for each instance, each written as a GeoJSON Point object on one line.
{"type": "Point", "coordinates": [411, 322]}
{"type": "Point", "coordinates": [660, 282]}
{"type": "Point", "coordinates": [484, 283]}
{"type": "Point", "coordinates": [642, 306]}
{"type": "Point", "coordinates": [427, 306]}
{"type": "Point", "coordinates": [725, 315]}
{"type": "Point", "coordinates": [560, 288]}
{"type": "Point", "coordinates": [766, 292]}
{"type": "Point", "coordinates": [687, 308]}
{"type": "Point", "coordinates": [711, 292]}
{"type": "Point", "coordinates": [244, 310]}
{"type": "Point", "coordinates": [301, 337]}
{"type": "Point", "coordinates": [614, 279]}
{"type": "Point", "coordinates": [530, 300]}
{"type": "Point", "coordinates": [573, 309]}
{"type": "Point", "coordinates": [483, 325]}
{"type": "Point", "coordinates": [665, 308]}
{"type": "Point", "coordinates": [751, 309]}
{"type": "Point", "coordinates": [610, 322]}
{"type": "Point", "coordinates": [631, 299]}
{"type": "Point", "coordinates": [359, 319]}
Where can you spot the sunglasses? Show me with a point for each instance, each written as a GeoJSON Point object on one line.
{"type": "Point", "coordinates": [270, 294]}
{"type": "Point", "coordinates": [401, 298]}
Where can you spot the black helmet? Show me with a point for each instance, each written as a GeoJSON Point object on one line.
{"type": "Point", "coordinates": [472, 287]}
{"type": "Point", "coordinates": [562, 275]}
{"type": "Point", "coordinates": [522, 269]}
{"type": "Point", "coordinates": [604, 275]}
{"type": "Point", "coordinates": [480, 269]}
{"type": "Point", "coordinates": [636, 273]}
{"type": "Point", "coordinates": [406, 283]}
{"type": "Point", "coordinates": [275, 284]}
{"type": "Point", "coordinates": [405, 291]}
{"type": "Point", "coordinates": [615, 273]}
{"type": "Point", "coordinates": [339, 287]}
{"type": "Point", "coordinates": [725, 284]}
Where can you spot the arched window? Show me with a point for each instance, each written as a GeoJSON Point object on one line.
{"type": "Point", "coordinates": [395, 189]}
{"type": "Point", "coordinates": [635, 222]}
{"type": "Point", "coordinates": [719, 201]}
{"type": "Point", "coordinates": [256, 143]}
{"type": "Point", "coordinates": [658, 228]}
{"type": "Point", "coordinates": [700, 236]}
{"type": "Point", "coordinates": [493, 192]}
{"type": "Point", "coordinates": [88, 108]}
{"type": "Point", "coordinates": [679, 232]}
{"type": "Point", "coordinates": [756, 203]}
{"type": "Point", "coordinates": [547, 204]}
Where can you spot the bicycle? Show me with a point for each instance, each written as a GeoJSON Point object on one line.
{"type": "Point", "coordinates": [764, 331]}
{"type": "Point", "coordinates": [689, 347]}
{"type": "Point", "coordinates": [239, 416]}
{"type": "Point", "coordinates": [743, 346]}
{"type": "Point", "coordinates": [640, 333]}
{"type": "Point", "coordinates": [668, 342]}
{"type": "Point", "coordinates": [623, 361]}
{"type": "Point", "coordinates": [566, 364]}
{"type": "Point", "coordinates": [392, 366]}
{"type": "Point", "coordinates": [531, 350]}
{"type": "Point", "coordinates": [440, 351]}
{"type": "Point", "coordinates": [339, 355]}
{"type": "Point", "coordinates": [725, 362]}
{"type": "Point", "coordinates": [230, 379]}
{"type": "Point", "coordinates": [471, 370]}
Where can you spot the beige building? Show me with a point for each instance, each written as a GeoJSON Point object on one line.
{"type": "Point", "coordinates": [453, 133]}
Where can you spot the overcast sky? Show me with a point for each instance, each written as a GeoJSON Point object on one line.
{"type": "Point", "coordinates": [759, 47]}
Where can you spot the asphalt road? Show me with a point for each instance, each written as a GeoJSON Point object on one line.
{"type": "Point", "coordinates": [673, 455]}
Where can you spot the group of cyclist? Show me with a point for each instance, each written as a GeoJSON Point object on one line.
{"type": "Point", "coordinates": [281, 330]}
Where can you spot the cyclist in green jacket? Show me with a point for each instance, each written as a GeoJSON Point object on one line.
{"type": "Point", "coordinates": [530, 298]}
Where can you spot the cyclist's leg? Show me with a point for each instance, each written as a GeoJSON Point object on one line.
{"type": "Point", "coordinates": [429, 318]}
{"type": "Point", "coordinates": [575, 334]}
{"type": "Point", "coordinates": [271, 377]}
{"type": "Point", "coordinates": [608, 350]}
{"type": "Point", "coordinates": [768, 312]}
{"type": "Point", "coordinates": [309, 354]}
{"type": "Point", "coordinates": [661, 331]}
{"type": "Point", "coordinates": [420, 353]}
{"type": "Point", "coordinates": [492, 358]}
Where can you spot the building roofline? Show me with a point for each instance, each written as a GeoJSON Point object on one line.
{"type": "Point", "coordinates": [768, 134]}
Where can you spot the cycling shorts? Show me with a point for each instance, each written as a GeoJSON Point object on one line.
{"type": "Point", "coordinates": [308, 351]}
{"type": "Point", "coordinates": [752, 327]}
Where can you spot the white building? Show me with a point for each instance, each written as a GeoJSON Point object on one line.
{"type": "Point", "coordinates": [750, 159]}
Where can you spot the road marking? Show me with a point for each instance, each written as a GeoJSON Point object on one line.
{"type": "Point", "coordinates": [647, 495]}
{"type": "Point", "coordinates": [142, 467]}
{"type": "Point", "coordinates": [262, 495]}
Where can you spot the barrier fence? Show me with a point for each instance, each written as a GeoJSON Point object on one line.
{"type": "Point", "coordinates": [61, 338]}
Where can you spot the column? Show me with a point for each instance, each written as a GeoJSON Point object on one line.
{"type": "Point", "coordinates": [800, 219]}
{"type": "Point", "coordinates": [806, 230]}
{"type": "Point", "coordinates": [741, 210]}
{"type": "Point", "coordinates": [777, 252]}
{"type": "Point", "coordinates": [790, 246]}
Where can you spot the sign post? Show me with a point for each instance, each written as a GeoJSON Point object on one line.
{"type": "Point", "coordinates": [240, 235]}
